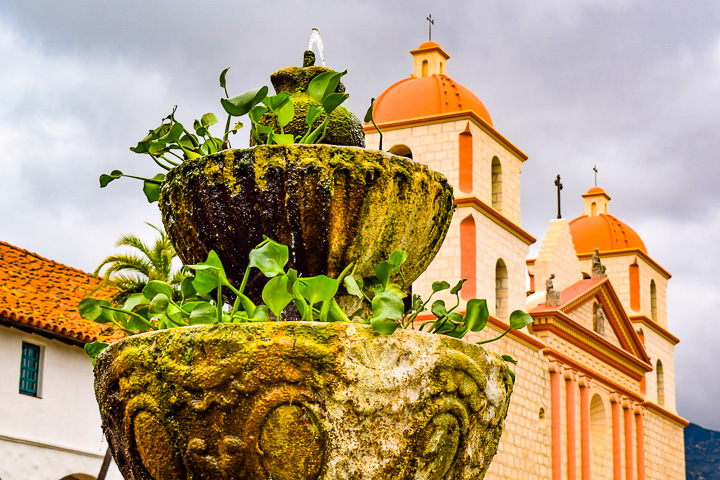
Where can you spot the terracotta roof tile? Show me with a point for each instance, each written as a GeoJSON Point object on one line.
{"type": "Point", "coordinates": [44, 294]}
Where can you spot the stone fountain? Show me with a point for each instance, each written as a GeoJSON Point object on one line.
{"type": "Point", "coordinates": [297, 400]}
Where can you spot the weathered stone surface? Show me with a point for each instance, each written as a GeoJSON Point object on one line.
{"type": "Point", "coordinates": [344, 127]}
{"type": "Point", "coordinates": [292, 400]}
{"type": "Point", "coordinates": [330, 205]}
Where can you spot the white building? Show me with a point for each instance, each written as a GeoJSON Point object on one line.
{"type": "Point", "coordinates": [49, 421]}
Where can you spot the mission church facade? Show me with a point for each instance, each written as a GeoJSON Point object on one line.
{"type": "Point", "coordinates": [595, 391]}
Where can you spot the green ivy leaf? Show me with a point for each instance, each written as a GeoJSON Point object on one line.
{"type": "Point", "coordinates": [260, 314]}
{"type": "Point", "coordinates": [458, 286]}
{"type": "Point", "coordinates": [317, 289]}
{"type": "Point", "coordinates": [398, 257]}
{"type": "Point", "coordinates": [269, 258]}
{"type": "Point", "coordinates": [476, 314]}
{"type": "Point", "coordinates": [275, 294]}
{"type": "Point", "coordinates": [209, 275]}
{"type": "Point", "coordinates": [154, 287]}
{"type": "Point", "coordinates": [440, 286]}
{"type": "Point", "coordinates": [152, 188]}
{"type": "Point", "coordinates": [352, 286]}
{"type": "Point", "coordinates": [93, 349]}
{"type": "Point", "coordinates": [223, 74]}
{"type": "Point", "coordinates": [324, 84]}
{"type": "Point", "coordinates": [519, 319]}
{"type": "Point", "coordinates": [187, 290]}
{"type": "Point", "coordinates": [208, 119]}
{"type": "Point", "coordinates": [387, 305]}
{"type": "Point", "coordinates": [512, 375]}
{"type": "Point", "coordinates": [314, 111]}
{"type": "Point", "coordinates": [281, 139]}
{"type": "Point", "coordinates": [256, 113]}
{"type": "Point", "coordinates": [369, 114]}
{"type": "Point", "coordinates": [134, 300]}
{"type": "Point", "coordinates": [334, 100]}
{"type": "Point", "coordinates": [382, 272]}
{"type": "Point", "coordinates": [91, 309]}
{"type": "Point", "coordinates": [384, 326]}
{"type": "Point", "coordinates": [241, 104]}
{"type": "Point", "coordinates": [509, 359]}
{"type": "Point", "coordinates": [159, 303]}
{"type": "Point", "coordinates": [105, 178]}
{"type": "Point", "coordinates": [438, 308]}
{"type": "Point", "coordinates": [202, 313]}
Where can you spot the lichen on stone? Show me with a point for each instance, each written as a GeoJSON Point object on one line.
{"type": "Point", "coordinates": [295, 400]}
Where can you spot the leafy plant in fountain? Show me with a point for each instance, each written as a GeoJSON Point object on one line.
{"type": "Point", "coordinates": [171, 143]}
{"type": "Point", "coordinates": [203, 301]}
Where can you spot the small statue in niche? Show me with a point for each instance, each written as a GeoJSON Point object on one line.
{"type": "Point", "coordinates": [552, 297]}
{"type": "Point", "coordinates": [598, 269]}
{"type": "Point", "coordinates": [599, 320]}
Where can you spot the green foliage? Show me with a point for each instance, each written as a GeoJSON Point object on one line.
{"type": "Point", "coordinates": [202, 301]}
{"type": "Point", "coordinates": [171, 142]}
{"type": "Point", "coordinates": [144, 263]}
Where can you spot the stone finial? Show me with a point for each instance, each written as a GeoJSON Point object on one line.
{"type": "Point", "coordinates": [552, 297]}
{"type": "Point", "coordinates": [598, 269]}
{"type": "Point", "coordinates": [308, 58]}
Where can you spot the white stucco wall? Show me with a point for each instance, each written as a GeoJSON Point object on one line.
{"type": "Point", "coordinates": [57, 433]}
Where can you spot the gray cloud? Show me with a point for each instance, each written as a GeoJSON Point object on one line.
{"type": "Point", "coordinates": [632, 86]}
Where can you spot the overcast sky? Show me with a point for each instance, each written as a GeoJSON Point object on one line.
{"type": "Point", "coordinates": [632, 86]}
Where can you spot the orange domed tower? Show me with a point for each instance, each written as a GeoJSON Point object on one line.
{"type": "Point", "coordinates": [435, 120]}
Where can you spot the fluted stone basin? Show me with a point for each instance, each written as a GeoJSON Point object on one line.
{"type": "Point", "coordinates": [330, 205]}
{"type": "Point", "coordinates": [300, 401]}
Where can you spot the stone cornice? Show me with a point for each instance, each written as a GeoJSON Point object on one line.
{"type": "Point", "coordinates": [496, 217]}
{"type": "Point", "coordinates": [666, 414]}
{"type": "Point", "coordinates": [593, 378]}
{"type": "Point", "coordinates": [442, 117]}
{"type": "Point", "coordinates": [577, 335]}
{"type": "Point", "coordinates": [645, 321]}
{"type": "Point", "coordinates": [629, 251]}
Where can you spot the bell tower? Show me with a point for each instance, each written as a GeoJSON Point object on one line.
{"type": "Point", "coordinates": [435, 120]}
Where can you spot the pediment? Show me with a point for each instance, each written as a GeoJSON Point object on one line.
{"type": "Point", "coordinates": [578, 311]}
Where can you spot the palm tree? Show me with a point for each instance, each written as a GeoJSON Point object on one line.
{"type": "Point", "coordinates": [129, 273]}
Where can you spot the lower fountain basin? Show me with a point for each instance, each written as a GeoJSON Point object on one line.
{"type": "Point", "coordinates": [300, 401]}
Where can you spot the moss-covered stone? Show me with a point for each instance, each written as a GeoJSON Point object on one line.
{"type": "Point", "coordinates": [331, 205]}
{"type": "Point", "coordinates": [344, 127]}
{"type": "Point", "coordinates": [291, 400]}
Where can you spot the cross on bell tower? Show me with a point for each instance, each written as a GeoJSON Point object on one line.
{"type": "Point", "coordinates": [431, 22]}
{"type": "Point", "coordinates": [559, 187]}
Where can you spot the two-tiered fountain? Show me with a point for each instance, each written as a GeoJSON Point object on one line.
{"type": "Point", "coordinates": [293, 400]}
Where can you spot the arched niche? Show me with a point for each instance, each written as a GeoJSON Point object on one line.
{"type": "Point", "coordinates": [401, 151]}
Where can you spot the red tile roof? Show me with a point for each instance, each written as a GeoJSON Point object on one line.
{"type": "Point", "coordinates": [43, 295]}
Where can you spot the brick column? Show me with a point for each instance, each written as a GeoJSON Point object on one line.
{"type": "Point", "coordinates": [640, 434]}
{"type": "Point", "coordinates": [570, 387]}
{"type": "Point", "coordinates": [628, 409]}
{"type": "Point", "coordinates": [586, 461]}
{"type": "Point", "coordinates": [556, 422]}
{"type": "Point", "coordinates": [616, 446]}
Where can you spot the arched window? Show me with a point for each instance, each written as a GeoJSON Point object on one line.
{"type": "Point", "coordinates": [593, 209]}
{"type": "Point", "coordinates": [653, 300]}
{"type": "Point", "coordinates": [496, 184]}
{"type": "Point", "coordinates": [424, 68]}
{"type": "Point", "coordinates": [466, 160]}
{"type": "Point", "coordinates": [442, 72]}
{"type": "Point", "coordinates": [660, 383]}
{"type": "Point", "coordinates": [402, 151]}
{"type": "Point", "coordinates": [468, 255]}
{"type": "Point", "coordinates": [501, 289]}
{"type": "Point", "coordinates": [599, 438]}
